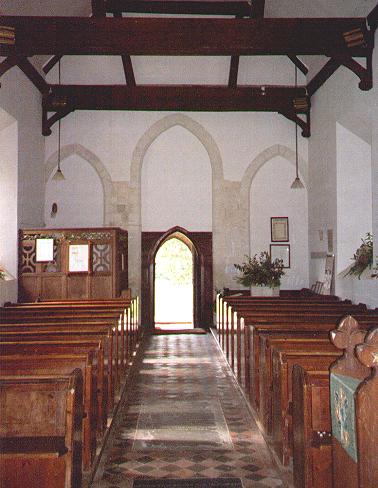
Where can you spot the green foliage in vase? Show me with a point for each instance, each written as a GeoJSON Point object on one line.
{"type": "Point", "coordinates": [260, 271]}
{"type": "Point", "coordinates": [363, 257]}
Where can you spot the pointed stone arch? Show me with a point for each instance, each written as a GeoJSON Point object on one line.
{"type": "Point", "coordinates": [97, 165]}
{"type": "Point", "coordinates": [264, 157]}
{"type": "Point", "coordinates": [164, 124]}
{"type": "Point", "coordinates": [141, 148]}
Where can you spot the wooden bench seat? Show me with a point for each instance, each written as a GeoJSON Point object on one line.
{"type": "Point", "coordinates": [18, 365]}
{"type": "Point", "coordinates": [40, 431]}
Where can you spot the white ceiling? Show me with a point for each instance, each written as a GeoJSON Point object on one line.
{"type": "Point", "coordinates": [274, 8]}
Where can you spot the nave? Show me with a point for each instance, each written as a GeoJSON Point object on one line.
{"type": "Point", "coordinates": [184, 417]}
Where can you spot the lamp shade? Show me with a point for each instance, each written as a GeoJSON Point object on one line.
{"type": "Point", "coordinates": [58, 176]}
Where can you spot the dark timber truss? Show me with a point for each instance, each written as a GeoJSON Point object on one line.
{"type": "Point", "coordinates": [341, 40]}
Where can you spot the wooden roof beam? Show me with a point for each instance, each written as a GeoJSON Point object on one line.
{"type": "Point", "coordinates": [239, 8]}
{"type": "Point", "coordinates": [299, 64]}
{"type": "Point", "coordinates": [217, 98]}
{"type": "Point", "coordinates": [177, 36]}
{"type": "Point", "coordinates": [234, 70]}
{"type": "Point", "coordinates": [257, 9]}
{"type": "Point", "coordinates": [28, 69]}
{"type": "Point", "coordinates": [98, 8]}
{"type": "Point", "coordinates": [372, 18]}
{"type": "Point", "coordinates": [7, 64]}
{"type": "Point", "coordinates": [51, 63]}
{"type": "Point", "coordinates": [63, 99]}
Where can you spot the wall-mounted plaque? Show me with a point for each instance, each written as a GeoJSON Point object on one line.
{"type": "Point", "coordinates": [78, 258]}
{"type": "Point", "coordinates": [279, 229]}
{"type": "Point", "coordinates": [281, 251]}
{"type": "Point", "coordinates": [44, 250]}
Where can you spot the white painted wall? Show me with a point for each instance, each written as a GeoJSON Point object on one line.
{"type": "Point", "coordinates": [8, 204]}
{"type": "Point", "coordinates": [340, 101]}
{"type": "Point", "coordinates": [354, 194]}
{"type": "Point", "coordinates": [176, 183]}
{"type": "Point", "coordinates": [80, 197]}
{"type": "Point", "coordinates": [271, 196]}
{"type": "Point", "coordinates": [21, 100]}
{"type": "Point", "coordinates": [21, 169]}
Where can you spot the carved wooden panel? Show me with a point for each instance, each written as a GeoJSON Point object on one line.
{"type": "Point", "coordinates": [108, 259]}
{"type": "Point", "coordinates": [101, 258]}
{"type": "Point", "coordinates": [27, 258]}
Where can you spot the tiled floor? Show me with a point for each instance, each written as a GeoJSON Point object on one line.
{"type": "Point", "coordinates": [185, 418]}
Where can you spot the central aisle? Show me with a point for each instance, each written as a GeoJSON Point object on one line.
{"type": "Point", "coordinates": [185, 418]}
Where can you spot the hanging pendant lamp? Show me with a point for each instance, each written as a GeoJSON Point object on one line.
{"type": "Point", "coordinates": [58, 176]}
{"type": "Point", "coordinates": [297, 183]}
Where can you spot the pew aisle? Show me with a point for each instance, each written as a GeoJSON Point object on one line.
{"type": "Point", "coordinates": [185, 418]}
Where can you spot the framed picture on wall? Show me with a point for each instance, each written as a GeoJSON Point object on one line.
{"type": "Point", "coordinates": [78, 258]}
{"type": "Point", "coordinates": [281, 251]}
{"type": "Point", "coordinates": [279, 229]}
{"type": "Point", "coordinates": [44, 250]}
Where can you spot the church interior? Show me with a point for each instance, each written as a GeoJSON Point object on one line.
{"type": "Point", "coordinates": [153, 153]}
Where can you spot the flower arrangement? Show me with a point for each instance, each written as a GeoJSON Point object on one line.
{"type": "Point", "coordinates": [260, 271]}
{"type": "Point", "coordinates": [363, 257]}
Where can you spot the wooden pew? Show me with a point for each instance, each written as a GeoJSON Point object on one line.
{"type": "Point", "coordinates": [283, 362]}
{"type": "Point", "coordinates": [67, 347]}
{"type": "Point", "coordinates": [51, 331]}
{"type": "Point", "coordinates": [41, 431]}
{"type": "Point", "coordinates": [295, 323]}
{"type": "Point", "coordinates": [312, 449]}
{"type": "Point", "coordinates": [354, 399]}
{"type": "Point", "coordinates": [62, 364]}
{"type": "Point", "coordinates": [282, 341]}
{"type": "Point", "coordinates": [293, 312]}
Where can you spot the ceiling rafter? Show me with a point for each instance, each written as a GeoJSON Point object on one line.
{"type": "Point", "coordinates": [51, 63]}
{"type": "Point", "coordinates": [234, 70]}
{"type": "Point", "coordinates": [126, 62]}
{"type": "Point", "coordinates": [98, 8]}
{"type": "Point", "coordinates": [257, 9]}
{"type": "Point", "coordinates": [299, 64]}
{"type": "Point", "coordinates": [7, 64]}
{"type": "Point", "coordinates": [34, 76]}
{"type": "Point", "coordinates": [181, 37]}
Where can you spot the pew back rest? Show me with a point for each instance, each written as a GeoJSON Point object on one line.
{"type": "Point", "coordinates": [36, 406]}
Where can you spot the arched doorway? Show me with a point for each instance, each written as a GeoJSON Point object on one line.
{"type": "Point", "coordinates": [173, 284]}
{"type": "Point", "coordinates": [200, 246]}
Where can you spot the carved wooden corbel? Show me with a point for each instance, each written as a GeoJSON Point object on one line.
{"type": "Point", "coordinates": [61, 106]}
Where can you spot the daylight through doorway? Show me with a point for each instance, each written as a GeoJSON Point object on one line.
{"type": "Point", "coordinates": [174, 286]}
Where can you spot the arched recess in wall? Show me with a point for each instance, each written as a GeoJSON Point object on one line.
{"type": "Point", "coordinates": [8, 194]}
{"type": "Point", "coordinates": [266, 191]}
{"type": "Point", "coordinates": [87, 193]}
{"type": "Point", "coordinates": [163, 125]}
{"type": "Point", "coordinates": [176, 183]}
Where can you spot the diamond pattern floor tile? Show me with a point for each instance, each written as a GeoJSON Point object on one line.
{"type": "Point", "coordinates": [184, 418]}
